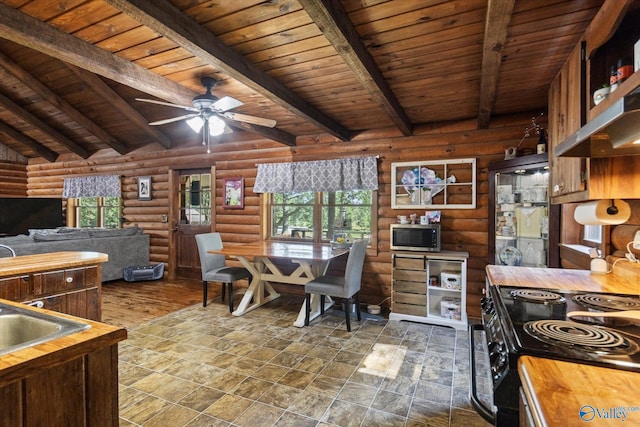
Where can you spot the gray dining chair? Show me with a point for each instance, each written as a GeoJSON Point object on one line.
{"type": "Point", "coordinates": [215, 269]}
{"type": "Point", "coordinates": [346, 286]}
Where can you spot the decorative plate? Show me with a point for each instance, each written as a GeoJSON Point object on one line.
{"type": "Point", "coordinates": [510, 255]}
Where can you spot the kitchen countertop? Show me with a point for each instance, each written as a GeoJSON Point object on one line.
{"type": "Point", "coordinates": [568, 394]}
{"type": "Point", "coordinates": [22, 363]}
{"type": "Point", "coordinates": [557, 390]}
{"type": "Point", "coordinates": [559, 278]}
{"type": "Point", "coordinates": [25, 264]}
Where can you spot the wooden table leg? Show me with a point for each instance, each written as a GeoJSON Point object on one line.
{"type": "Point", "coordinates": [254, 297]}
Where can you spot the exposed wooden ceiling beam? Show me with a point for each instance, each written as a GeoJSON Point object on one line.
{"type": "Point", "coordinates": [277, 134]}
{"type": "Point", "coordinates": [23, 139]}
{"type": "Point", "coordinates": [27, 31]}
{"type": "Point", "coordinates": [168, 21]}
{"type": "Point", "coordinates": [334, 23]}
{"type": "Point", "coordinates": [51, 97]}
{"type": "Point", "coordinates": [26, 116]}
{"type": "Point", "coordinates": [124, 108]}
{"type": "Point", "coordinates": [495, 34]}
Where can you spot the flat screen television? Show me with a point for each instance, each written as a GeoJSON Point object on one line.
{"type": "Point", "coordinates": [18, 215]}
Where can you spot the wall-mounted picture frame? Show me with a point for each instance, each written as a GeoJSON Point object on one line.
{"type": "Point", "coordinates": [233, 193]}
{"type": "Point", "coordinates": [144, 188]}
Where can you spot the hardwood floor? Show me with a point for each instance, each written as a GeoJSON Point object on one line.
{"type": "Point", "coordinates": [128, 304]}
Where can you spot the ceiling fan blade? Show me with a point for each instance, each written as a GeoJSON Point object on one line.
{"type": "Point", "coordinates": [250, 119]}
{"type": "Point", "coordinates": [226, 103]}
{"type": "Point", "coordinates": [168, 104]}
{"type": "Point", "coordinates": [173, 119]}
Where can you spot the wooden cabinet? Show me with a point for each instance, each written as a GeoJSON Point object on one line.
{"type": "Point", "coordinates": [566, 115]}
{"type": "Point", "coordinates": [68, 381]}
{"type": "Point", "coordinates": [593, 169]}
{"type": "Point", "coordinates": [430, 288]}
{"type": "Point", "coordinates": [74, 291]}
{"type": "Point", "coordinates": [434, 184]}
{"type": "Point", "coordinates": [79, 392]}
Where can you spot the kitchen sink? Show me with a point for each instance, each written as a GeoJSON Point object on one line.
{"type": "Point", "coordinates": [22, 328]}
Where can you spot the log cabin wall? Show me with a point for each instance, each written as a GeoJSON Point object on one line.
{"type": "Point", "coordinates": [13, 177]}
{"type": "Point", "coordinates": [463, 229]}
{"type": "Point", "coordinates": [13, 173]}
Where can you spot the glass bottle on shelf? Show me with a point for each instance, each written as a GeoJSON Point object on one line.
{"type": "Point", "coordinates": [541, 147]}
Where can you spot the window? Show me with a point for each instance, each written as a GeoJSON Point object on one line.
{"type": "Point", "coordinates": [592, 235]}
{"type": "Point", "coordinates": [322, 217]}
{"type": "Point", "coordinates": [195, 198]}
{"type": "Point", "coordinates": [95, 212]}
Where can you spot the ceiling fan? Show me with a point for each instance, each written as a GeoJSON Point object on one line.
{"type": "Point", "coordinates": [206, 111]}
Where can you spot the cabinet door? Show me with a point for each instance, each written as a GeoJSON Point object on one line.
{"type": "Point", "coordinates": [47, 283]}
{"type": "Point", "coordinates": [566, 115]}
{"type": "Point", "coordinates": [74, 278]}
{"type": "Point", "coordinates": [409, 286]}
{"type": "Point", "coordinates": [14, 288]}
{"type": "Point", "coordinates": [56, 303]}
{"type": "Point", "coordinates": [523, 226]}
{"type": "Point", "coordinates": [83, 303]}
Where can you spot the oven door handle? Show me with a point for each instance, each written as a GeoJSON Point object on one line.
{"type": "Point", "coordinates": [483, 410]}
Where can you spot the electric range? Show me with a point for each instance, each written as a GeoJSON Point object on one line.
{"type": "Point", "coordinates": [524, 321]}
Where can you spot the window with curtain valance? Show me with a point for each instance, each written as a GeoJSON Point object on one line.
{"type": "Point", "coordinates": [92, 186]}
{"type": "Point", "coordinates": [321, 175]}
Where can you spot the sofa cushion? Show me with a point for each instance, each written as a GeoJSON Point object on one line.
{"type": "Point", "coordinates": [16, 240]}
{"type": "Point", "coordinates": [113, 232]}
{"type": "Point", "coordinates": [72, 235]}
{"type": "Point", "coordinates": [42, 231]}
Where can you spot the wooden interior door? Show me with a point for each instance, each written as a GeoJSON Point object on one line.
{"type": "Point", "coordinates": [191, 213]}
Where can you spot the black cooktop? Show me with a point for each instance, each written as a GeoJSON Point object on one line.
{"type": "Point", "coordinates": [535, 322]}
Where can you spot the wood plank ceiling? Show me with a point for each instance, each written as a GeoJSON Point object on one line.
{"type": "Point", "coordinates": [70, 70]}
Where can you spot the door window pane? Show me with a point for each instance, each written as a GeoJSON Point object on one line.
{"type": "Point", "coordinates": [195, 199]}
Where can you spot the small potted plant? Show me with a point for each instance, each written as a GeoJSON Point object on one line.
{"type": "Point", "coordinates": [600, 94]}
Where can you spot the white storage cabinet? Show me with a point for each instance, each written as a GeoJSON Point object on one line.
{"type": "Point", "coordinates": [430, 288]}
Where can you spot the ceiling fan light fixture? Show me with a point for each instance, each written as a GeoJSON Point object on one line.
{"type": "Point", "coordinates": [196, 123]}
{"type": "Point", "coordinates": [216, 126]}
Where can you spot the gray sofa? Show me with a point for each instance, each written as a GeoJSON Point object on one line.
{"type": "Point", "coordinates": [125, 246]}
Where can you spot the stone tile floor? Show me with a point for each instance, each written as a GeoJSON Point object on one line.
{"type": "Point", "coordinates": [203, 367]}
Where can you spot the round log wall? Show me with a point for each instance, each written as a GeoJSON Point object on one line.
{"type": "Point", "coordinates": [463, 229]}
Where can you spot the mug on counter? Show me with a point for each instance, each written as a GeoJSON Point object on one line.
{"type": "Point", "coordinates": [424, 220]}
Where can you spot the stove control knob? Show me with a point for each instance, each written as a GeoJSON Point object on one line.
{"type": "Point", "coordinates": [487, 305]}
{"type": "Point", "coordinates": [497, 353]}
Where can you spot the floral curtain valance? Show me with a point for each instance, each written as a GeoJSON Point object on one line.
{"type": "Point", "coordinates": [322, 175]}
{"type": "Point", "coordinates": [92, 186]}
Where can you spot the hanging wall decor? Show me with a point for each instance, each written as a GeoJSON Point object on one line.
{"type": "Point", "coordinates": [144, 188]}
{"type": "Point", "coordinates": [233, 193]}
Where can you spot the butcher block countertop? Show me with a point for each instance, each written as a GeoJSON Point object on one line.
{"type": "Point", "coordinates": [22, 363]}
{"type": "Point", "coordinates": [557, 390]}
{"type": "Point", "coordinates": [25, 264]}
{"type": "Point", "coordinates": [567, 394]}
{"type": "Point", "coordinates": [559, 278]}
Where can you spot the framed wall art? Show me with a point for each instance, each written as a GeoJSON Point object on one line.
{"type": "Point", "coordinates": [233, 193]}
{"type": "Point", "coordinates": [144, 188]}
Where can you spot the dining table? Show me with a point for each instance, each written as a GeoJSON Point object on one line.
{"type": "Point", "coordinates": [264, 259]}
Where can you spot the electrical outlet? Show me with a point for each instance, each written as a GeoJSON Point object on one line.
{"type": "Point", "coordinates": [636, 240]}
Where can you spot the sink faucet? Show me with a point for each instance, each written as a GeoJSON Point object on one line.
{"type": "Point", "coordinates": [13, 253]}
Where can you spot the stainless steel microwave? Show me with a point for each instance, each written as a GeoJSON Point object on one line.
{"type": "Point", "coordinates": [415, 237]}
